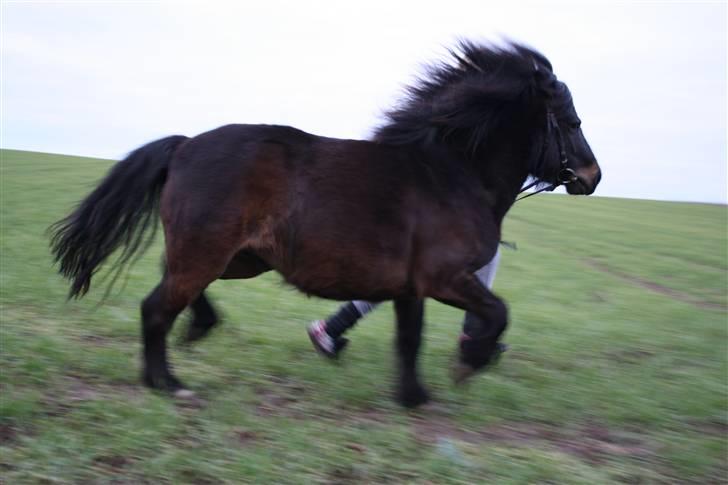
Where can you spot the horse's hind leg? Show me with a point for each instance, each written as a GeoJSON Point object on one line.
{"type": "Point", "coordinates": [181, 285]}
{"type": "Point", "coordinates": [159, 310]}
{"type": "Point", "coordinates": [204, 318]}
{"type": "Point", "coordinates": [242, 266]}
{"type": "Point", "coordinates": [409, 313]}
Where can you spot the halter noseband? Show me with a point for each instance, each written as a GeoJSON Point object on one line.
{"type": "Point", "coordinates": [565, 175]}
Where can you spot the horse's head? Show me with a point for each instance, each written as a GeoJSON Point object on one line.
{"type": "Point", "coordinates": [490, 100]}
{"type": "Point", "coordinates": [565, 156]}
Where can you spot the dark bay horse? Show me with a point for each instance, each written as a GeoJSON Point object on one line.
{"type": "Point", "coordinates": [408, 215]}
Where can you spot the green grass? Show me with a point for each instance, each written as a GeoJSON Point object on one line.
{"type": "Point", "coordinates": [617, 373]}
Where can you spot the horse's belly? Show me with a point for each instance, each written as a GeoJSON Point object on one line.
{"type": "Point", "coordinates": [347, 280]}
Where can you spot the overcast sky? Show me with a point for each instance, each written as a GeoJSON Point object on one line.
{"type": "Point", "coordinates": [100, 78]}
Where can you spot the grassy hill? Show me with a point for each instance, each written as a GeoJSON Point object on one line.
{"type": "Point", "coordinates": [617, 372]}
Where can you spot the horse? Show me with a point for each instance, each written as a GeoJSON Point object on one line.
{"type": "Point", "coordinates": [409, 214]}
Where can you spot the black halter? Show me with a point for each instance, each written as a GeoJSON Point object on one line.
{"type": "Point", "coordinates": [565, 175]}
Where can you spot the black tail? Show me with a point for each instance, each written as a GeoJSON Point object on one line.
{"type": "Point", "coordinates": [117, 213]}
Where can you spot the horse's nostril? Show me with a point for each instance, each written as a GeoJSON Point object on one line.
{"type": "Point", "coordinates": [595, 181]}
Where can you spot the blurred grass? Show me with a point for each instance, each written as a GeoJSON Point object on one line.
{"type": "Point", "coordinates": [617, 371]}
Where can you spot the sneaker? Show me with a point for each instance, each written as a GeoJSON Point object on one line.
{"type": "Point", "coordinates": [323, 342]}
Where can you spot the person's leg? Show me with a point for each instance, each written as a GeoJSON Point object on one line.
{"type": "Point", "coordinates": [486, 274]}
{"type": "Point", "coordinates": [346, 317]}
{"type": "Point", "coordinates": [326, 335]}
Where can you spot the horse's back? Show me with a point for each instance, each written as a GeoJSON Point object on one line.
{"type": "Point", "coordinates": [330, 215]}
{"type": "Point", "coordinates": [337, 218]}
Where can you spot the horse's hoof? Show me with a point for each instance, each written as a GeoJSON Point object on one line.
{"type": "Point", "coordinates": [462, 372]}
{"type": "Point", "coordinates": [193, 334]}
{"type": "Point", "coordinates": [167, 384]}
{"type": "Point", "coordinates": [411, 398]}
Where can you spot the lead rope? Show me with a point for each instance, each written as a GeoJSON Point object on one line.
{"type": "Point", "coordinates": [549, 188]}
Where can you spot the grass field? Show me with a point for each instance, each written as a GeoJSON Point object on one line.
{"type": "Point", "coordinates": [617, 370]}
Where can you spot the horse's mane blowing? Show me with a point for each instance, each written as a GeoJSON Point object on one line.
{"type": "Point", "coordinates": [463, 99]}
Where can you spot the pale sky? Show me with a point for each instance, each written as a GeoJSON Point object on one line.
{"type": "Point", "coordinates": [100, 78]}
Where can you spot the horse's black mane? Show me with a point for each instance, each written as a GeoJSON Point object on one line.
{"type": "Point", "coordinates": [463, 97]}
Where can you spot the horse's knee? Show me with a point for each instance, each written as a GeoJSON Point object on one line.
{"type": "Point", "coordinates": [489, 323]}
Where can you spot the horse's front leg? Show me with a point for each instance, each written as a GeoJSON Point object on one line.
{"type": "Point", "coordinates": [479, 341]}
{"type": "Point", "coordinates": [409, 335]}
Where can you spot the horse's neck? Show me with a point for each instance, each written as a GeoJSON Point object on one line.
{"type": "Point", "coordinates": [502, 179]}
{"type": "Point", "coordinates": [504, 167]}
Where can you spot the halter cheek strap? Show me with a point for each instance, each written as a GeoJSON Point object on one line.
{"type": "Point", "coordinates": [565, 175]}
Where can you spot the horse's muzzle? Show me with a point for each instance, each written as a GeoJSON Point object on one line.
{"type": "Point", "coordinates": [586, 180]}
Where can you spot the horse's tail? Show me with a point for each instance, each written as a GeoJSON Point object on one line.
{"type": "Point", "coordinates": [117, 213]}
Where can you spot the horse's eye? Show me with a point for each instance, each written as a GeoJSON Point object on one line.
{"type": "Point", "coordinates": [575, 125]}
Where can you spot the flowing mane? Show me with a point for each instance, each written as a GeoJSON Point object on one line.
{"type": "Point", "coordinates": [464, 97]}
